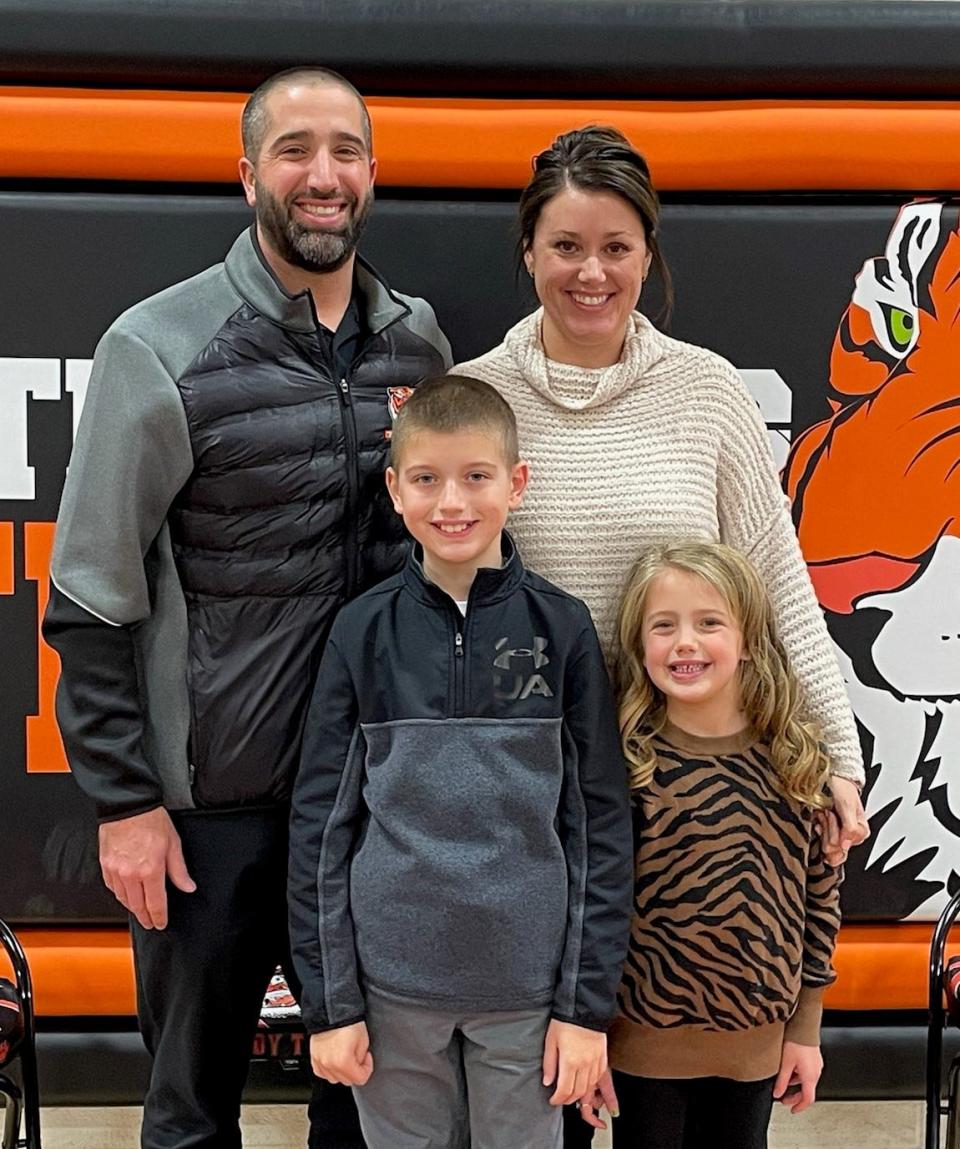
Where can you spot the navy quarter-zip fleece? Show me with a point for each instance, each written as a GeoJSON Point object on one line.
{"type": "Point", "coordinates": [460, 835]}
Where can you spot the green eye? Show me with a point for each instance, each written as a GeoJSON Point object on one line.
{"type": "Point", "coordinates": [901, 326]}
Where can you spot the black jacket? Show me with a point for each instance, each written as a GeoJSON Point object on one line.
{"type": "Point", "coordinates": [460, 835]}
{"type": "Point", "coordinates": [225, 497]}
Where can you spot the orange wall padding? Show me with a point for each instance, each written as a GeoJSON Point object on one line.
{"type": "Point", "coordinates": [89, 972]}
{"type": "Point", "coordinates": [884, 966]}
{"type": "Point", "coordinates": [79, 972]}
{"type": "Point", "coordinates": [749, 145]}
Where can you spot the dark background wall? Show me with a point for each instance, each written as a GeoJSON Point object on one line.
{"type": "Point", "coordinates": [604, 49]}
{"type": "Point", "coordinates": [762, 279]}
{"type": "Point", "coordinates": [762, 283]}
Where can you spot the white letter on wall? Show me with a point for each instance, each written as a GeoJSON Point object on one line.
{"type": "Point", "coordinates": [19, 378]}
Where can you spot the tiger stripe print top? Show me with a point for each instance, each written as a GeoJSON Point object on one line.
{"type": "Point", "coordinates": [735, 917]}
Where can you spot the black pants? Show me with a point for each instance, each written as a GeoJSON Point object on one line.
{"type": "Point", "coordinates": [695, 1113]}
{"type": "Point", "coordinates": [200, 984]}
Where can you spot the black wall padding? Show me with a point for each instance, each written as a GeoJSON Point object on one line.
{"type": "Point", "coordinates": [862, 1062]}
{"type": "Point", "coordinates": [560, 48]}
{"type": "Point", "coordinates": [763, 283]}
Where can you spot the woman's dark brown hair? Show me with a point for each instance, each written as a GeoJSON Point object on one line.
{"type": "Point", "coordinates": [599, 159]}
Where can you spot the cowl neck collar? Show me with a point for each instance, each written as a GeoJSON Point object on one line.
{"type": "Point", "coordinates": [579, 388]}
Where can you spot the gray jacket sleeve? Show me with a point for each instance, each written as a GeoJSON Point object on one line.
{"type": "Point", "coordinates": [423, 321]}
{"type": "Point", "coordinates": [131, 457]}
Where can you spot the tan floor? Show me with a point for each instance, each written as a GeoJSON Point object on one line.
{"type": "Point", "coordinates": [276, 1126]}
{"type": "Point", "coordinates": [829, 1125]}
{"type": "Point", "coordinates": [845, 1125]}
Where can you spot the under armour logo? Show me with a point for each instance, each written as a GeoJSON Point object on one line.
{"type": "Point", "coordinates": [515, 685]}
{"type": "Point", "coordinates": [539, 658]}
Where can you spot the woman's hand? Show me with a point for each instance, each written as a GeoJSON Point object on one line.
{"type": "Point", "coordinates": [846, 824]}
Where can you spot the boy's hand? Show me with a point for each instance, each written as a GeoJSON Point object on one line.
{"type": "Point", "coordinates": [574, 1058]}
{"type": "Point", "coordinates": [604, 1096]}
{"type": "Point", "coordinates": [342, 1055]}
{"type": "Point", "coordinates": [800, 1069]}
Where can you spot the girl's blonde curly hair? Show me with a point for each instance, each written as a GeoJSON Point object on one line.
{"type": "Point", "coordinates": [769, 691]}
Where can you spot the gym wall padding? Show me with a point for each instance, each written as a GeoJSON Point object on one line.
{"type": "Point", "coordinates": [762, 282]}
{"type": "Point", "coordinates": [691, 146]}
{"type": "Point", "coordinates": [884, 964]}
{"type": "Point", "coordinates": [601, 49]}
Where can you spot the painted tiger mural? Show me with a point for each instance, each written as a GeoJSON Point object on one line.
{"type": "Point", "coordinates": [876, 501]}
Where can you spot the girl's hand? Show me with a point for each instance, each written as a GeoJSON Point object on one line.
{"type": "Point", "coordinates": [574, 1058]}
{"type": "Point", "coordinates": [604, 1096]}
{"type": "Point", "coordinates": [800, 1069]}
{"type": "Point", "coordinates": [846, 825]}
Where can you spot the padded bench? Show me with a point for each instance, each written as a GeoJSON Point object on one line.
{"type": "Point", "coordinates": [90, 1052]}
{"type": "Point", "coordinates": [85, 972]}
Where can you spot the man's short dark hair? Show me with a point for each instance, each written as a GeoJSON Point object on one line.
{"type": "Point", "coordinates": [451, 403]}
{"type": "Point", "coordinates": [253, 123]}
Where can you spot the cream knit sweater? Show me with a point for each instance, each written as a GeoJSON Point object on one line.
{"type": "Point", "coordinates": [665, 445]}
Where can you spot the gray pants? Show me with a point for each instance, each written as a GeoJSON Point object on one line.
{"type": "Point", "coordinates": [442, 1080]}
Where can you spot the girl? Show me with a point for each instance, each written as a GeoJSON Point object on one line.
{"type": "Point", "coordinates": [735, 913]}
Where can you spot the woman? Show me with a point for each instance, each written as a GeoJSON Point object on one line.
{"type": "Point", "coordinates": [635, 438]}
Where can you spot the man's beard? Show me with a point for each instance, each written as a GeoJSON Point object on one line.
{"type": "Point", "coordinates": [304, 247]}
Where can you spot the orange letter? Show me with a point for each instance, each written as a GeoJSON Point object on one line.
{"type": "Point", "coordinates": [7, 581]}
{"type": "Point", "coordinates": [44, 747]}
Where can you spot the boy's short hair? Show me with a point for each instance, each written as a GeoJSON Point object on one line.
{"type": "Point", "coordinates": [451, 403]}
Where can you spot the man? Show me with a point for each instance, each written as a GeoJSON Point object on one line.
{"type": "Point", "coordinates": [224, 499]}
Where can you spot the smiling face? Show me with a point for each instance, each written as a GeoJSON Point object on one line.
{"type": "Point", "coordinates": [311, 185]}
{"type": "Point", "coordinates": [588, 258]}
{"type": "Point", "coordinates": [692, 650]}
{"type": "Point", "coordinates": [454, 492]}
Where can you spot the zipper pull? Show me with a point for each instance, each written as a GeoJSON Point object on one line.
{"type": "Point", "coordinates": [458, 647]}
{"type": "Point", "coordinates": [345, 391]}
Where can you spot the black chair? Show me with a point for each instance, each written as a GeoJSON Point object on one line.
{"type": "Point", "coordinates": [18, 1051]}
{"type": "Point", "coordinates": [942, 981]}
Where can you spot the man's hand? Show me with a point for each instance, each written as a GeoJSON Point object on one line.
{"type": "Point", "coordinates": [342, 1055]}
{"type": "Point", "coordinates": [846, 825]}
{"type": "Point", "coordinates": [800, 1069]}
{"type": "Point", "coordinates": [574, 1058]}
{"type": "Point", "coordinates": [602, 1097]}
{"type": "Point", "coordinates": [137, 854]}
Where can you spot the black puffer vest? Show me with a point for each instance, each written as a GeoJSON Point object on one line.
{"type": "Point", "coordinates": [284, 519]}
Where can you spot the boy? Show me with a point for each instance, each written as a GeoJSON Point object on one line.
{"type": "Point", "coordinates": [461, 853]}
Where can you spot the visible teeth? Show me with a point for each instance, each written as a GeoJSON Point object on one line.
{"type": "Point", "coordinates": [687, 667]}
{"type": "Point", "coordinates": [590, 300]}
{"type": "Point", "coordinates": [320, 209]}
{"type": "Point", "coordinates": [453, 528]}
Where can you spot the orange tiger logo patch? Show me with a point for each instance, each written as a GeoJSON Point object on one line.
{"type": "Point", "coordinates": [396, 397]}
